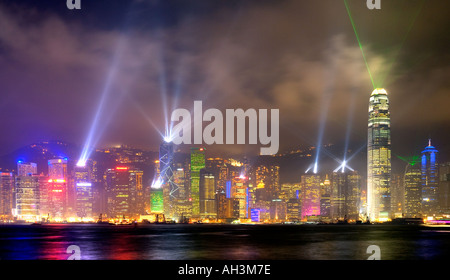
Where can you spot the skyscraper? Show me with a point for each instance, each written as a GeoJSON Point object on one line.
{"type": "Point", "coordinates": [429, 181]}
{"type": "Point", "coordinates": [27, 197]}
{"type": "Point", "coordinates": [239, 191]}
{"type": "Point", "coordinates": [413, 191]}
{"type": "Point", "coordinates": [197, 164]}
{"type": "Point", "coordinates": [444, 188]}
{"type": "Point", "coordinates": [207, 194]}
{"type": "Point", "coordinates": [83, 191]}
{"type": "Point", "coordinates": [123, 184]}
{"type": "Point", "coordinates": [345, 195]}
{"type": "Point", "coordinates": [57, 191]}
{"type": "Point", "coordinates": [166, 168]}
{"type": "Point", "coordinates": [310, 195]}
{"type": "Point", "coordinates": [379, 157]}
{"type": "Point", "coordinates": [7, 202]}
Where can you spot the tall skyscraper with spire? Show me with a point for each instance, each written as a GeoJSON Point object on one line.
{"type": "Point", "coordinates": [379, 157]}
{"type": "Point", "coordinates": [429, 180]}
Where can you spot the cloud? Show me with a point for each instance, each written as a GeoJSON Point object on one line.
{"type": "Point", "coordinates": [298, 56]}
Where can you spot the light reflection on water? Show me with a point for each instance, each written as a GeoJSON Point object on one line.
{"type": "Point", "coordinates": [239, 242]}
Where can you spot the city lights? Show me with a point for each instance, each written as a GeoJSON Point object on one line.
{"type": "Point", "coordinates": [230, 130]}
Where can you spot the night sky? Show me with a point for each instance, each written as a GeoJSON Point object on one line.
{"type": "Point", "coordinates": [301, 57]}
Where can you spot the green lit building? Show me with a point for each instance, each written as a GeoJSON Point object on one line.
{"type": "Point", "coordinates": [197, 164]}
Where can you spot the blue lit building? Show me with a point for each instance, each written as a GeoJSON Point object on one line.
{"type": "Point", "coordinates": [430, 181]}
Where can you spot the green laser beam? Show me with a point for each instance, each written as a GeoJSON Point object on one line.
{"type": "Point", "coordinates": [402, 43]}
{"type": "Point", "coordinates": [412, 160]}
{"type": "Point", "coordinates": [359, 42]}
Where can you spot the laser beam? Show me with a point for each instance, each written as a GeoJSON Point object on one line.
{"type": "Point", "coordinates": [359, 42]}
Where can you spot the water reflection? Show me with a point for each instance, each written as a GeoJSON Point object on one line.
{"type": "Point", "coordinates": [175, 242]}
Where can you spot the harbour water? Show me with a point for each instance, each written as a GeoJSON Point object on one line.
{"type": "Point", "coordinates": [223, 242]}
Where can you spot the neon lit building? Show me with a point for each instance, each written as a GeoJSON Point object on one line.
{"type": "Point", "coordinates": [430, 182]}
{"type": "Point", "coordinates": [379, 157]}
{"type": "Point", "coordinates": [197, 164]}
{"type": "Point", "coordinates": [57, 191]}
{"type": "Point", "coordinates": [156, 200]}
{"type": "Point", "coordinates": [310, 195]}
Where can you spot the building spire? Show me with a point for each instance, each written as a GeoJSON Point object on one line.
{"type": "Point", "coordinates": [429, 142]}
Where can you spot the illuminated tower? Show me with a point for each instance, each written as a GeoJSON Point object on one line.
{"type": "Point", "coordinates": [83, 191]}
{"type": "Point", "coordinates": [123, 185]}
{"type": "Point", "coordinates": [27, 197]}
{"type": "Point", "coordinates": [310, 196]}
{"type": "Point", "coordinates": [207, 194]}
{"type": "Point", "coordinates": [325, 199]}
{"type": "Point", "coordinates": [57, 192]}
{"type": "Point", "coordinates": [27, 192]}
{"type": "Point", "coordinates": [166, 168]}
{"type": "Point", "coordinates": [240, 192]}
{"type": "Point", "coordinates": [379, 157]}
{"type": "Point", "coordinates": [197, 164]}
{"type": "Point", "coordinates": [412, 181]}
{"type": "Point", "coordinates": [444, 188]}
{"type": "Point", "coordinates": [429, 181]}
{"type": "Point", "coordinates": [6, 195]}
{"type": "Point", "coordinates": [345, 196]}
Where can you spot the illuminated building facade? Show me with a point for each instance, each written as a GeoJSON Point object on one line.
{"type": "Point", "coordinates": [413, 191]}
{"type": "Point", "coordinates": [268, 180]}
{"type": "Point", "coordinates": [27, 197]}
{"type": "Point", "coordinates": [325, 199]}
{"type": "Point", "coordinates": [397, 195]}
{"type": "Point", "coordinates": [444, 188]}
{"type": "Point", "coordinates": [345, 196]}
{"type": "Point", "coordinates": [430, 179]}
{"type": "Point", "coordinates": [123, 186]}
{"type": "Point", "coordinates": [156, 200]}
{"type": "Point", "coordinates": [293, 210]}
{"type": "Point", "coordinates": [218, 168]}
{"type": "Point", "coordinates": [227, 207]}
{"type": "Point", "coordinates": [310, 195]}
{"type": "Point", "coordinates": [277, 210]}
{"type": "Point", "coordinates": [57, 190]}
{"type": "Point", "coordinates": [197, 164]}
{"type": "Point", "coordinates": [27, 191]}
{"type": "Point", "coordinates": [83, 191]}
{"type": "Point", "coordinates": [166, 168]}
{"type": "Point", "coordinates": [26, 168]}
{"type": "Point", "coordinates": [7, 202]}
{"type": "Point", "coordinates": [379, 157]}
{"type": "Point", "coordinates": [240, 192]}
{"type": "Point", "coordinates": [207, 194]}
